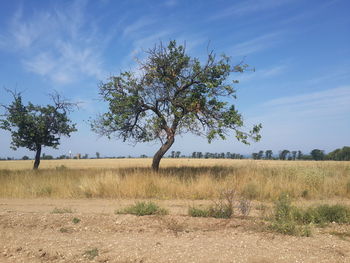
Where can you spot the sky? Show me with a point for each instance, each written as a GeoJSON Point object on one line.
{"type": "Point", "coordinates": [300, 50]}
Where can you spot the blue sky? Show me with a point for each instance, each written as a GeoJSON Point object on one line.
{"type": "Point", "coordinates": [300, 90]}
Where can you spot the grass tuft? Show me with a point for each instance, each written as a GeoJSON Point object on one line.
{"type": "Point", "coordinates": [91, 254]}
{"type": "Point", "coordinates": [143, 209]}
{"type": "Point", "coordinates": [61, 210]}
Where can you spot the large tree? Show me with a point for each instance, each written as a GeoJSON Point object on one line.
{"type": "Point", "coordinates": [172, 94]}
{"type": "Point", "coordinates": [34, 126]}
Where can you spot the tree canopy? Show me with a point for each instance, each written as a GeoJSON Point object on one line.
{"type": "Point", "coordinates": [173, 94]}
{"type": "Point", "coordinates": [34, 126]}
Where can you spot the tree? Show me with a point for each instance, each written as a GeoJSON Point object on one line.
{"type": "Point", "coordinates": [255, 156]}
{"type": "Point", "coordinates": [173, 94]}
{"type": "Point", "coordinates": [283, 155]}
{"type": "Point", "coordinates": [294, 155]}
{"type": "Point", "coordinates": [317, 154]}
{"type": "Point", "coordinates": [299, 155]}
{"type": "Point", "coordinates": [97, 155]}
{"type": "Point", "coordinates": [268, 154]}
{"type": "Point", "coordinates": [33, 126]}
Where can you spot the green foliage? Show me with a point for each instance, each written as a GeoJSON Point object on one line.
{"type": "Point", "coordinates": [340, 154]}
{"type": "Point", "coordinates": [212, 211]}
{"type": "Point", "coordinates": [76, 220]}
{"type": "Point", "coordinates": [32, 125]}
{"type": "Point", "coordinates": [173, 94]}
{"type": "Point", "coordinates": [198, 212]}
{"type": "Point", "coordinates": [143, 209]}
{"type": "Point", "coordinates": [292, 220]}
{"type": "Point", "coordinates": [317, 155]}
{"type": "Point", "coordinates": [91, 254]}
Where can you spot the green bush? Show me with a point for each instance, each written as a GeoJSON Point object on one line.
{"type": "Point", "coordinates": [213, 211]}
{"type": "Point", "coordinates": [292, 220]}
{"type": "Point", "coordinates": [142, 209]}
{"type": "Point", "coordinates": [197, 212]}
{"type": "Point", "coordinates": [76, 220]}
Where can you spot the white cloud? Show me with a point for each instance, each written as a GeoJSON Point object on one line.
{"type": "Point", "coordinates": [248, 7]}
{"type": "Point", "coordinates": [137, 26]}
{"type": "Point", "coordinates": [264, 73]}
{"type": "Point", "coordinates": [321, 104]}
{"type": "Point", "coordinates": [255, 44]}
{"type": "Point", "coordinates": [59, 45]}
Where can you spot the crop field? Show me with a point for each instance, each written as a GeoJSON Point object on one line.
{"type": "Point", "coordinates": [119, 210]}
{"type": "Point", "coordinates": [177, 179]}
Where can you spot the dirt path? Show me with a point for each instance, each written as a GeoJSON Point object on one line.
{"type": "Point", "coordinates": [30, 232]}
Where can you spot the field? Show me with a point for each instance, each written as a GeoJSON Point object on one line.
{"type": "Point", "coordinates": [66, 211]}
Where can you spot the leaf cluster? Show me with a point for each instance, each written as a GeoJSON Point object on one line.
{"type": "Point", "coordinates": [33, 126]}
{"type": "Point", "coordinates": [173, 94]}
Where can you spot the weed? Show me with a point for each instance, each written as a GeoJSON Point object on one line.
{"type": "Point", "coordinates": [63, 230]}
{"type": "Point", "coordinates": [222, 208]}
{"type": "Point", "coordinates": [198, 212]}
{"type": "Point", "coordinates": [61, 210]}
{"type": "Point", "coordinates": [91, 254]}
{"type": "Point", "coordinates": [76, 220]}
{"type": "Point", "coordinates": [244, 206]}
{"type": "Point", "coordinates": [291, 220]}
{"type": "Point", "coordinates": [173, 225]}
{"type": "Point", "coordinates": [142, 209]}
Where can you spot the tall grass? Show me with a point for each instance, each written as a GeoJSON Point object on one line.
{"type": "Point", "coordinates": [180, 179]}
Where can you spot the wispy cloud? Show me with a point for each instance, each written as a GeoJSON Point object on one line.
{"type": "Point", "coordinates": [56, 44]}
{"type": "Point", "coordinates": [256, 44]}
{"type": "Point", "coordinates": [137, 26]}
{"type": "Point", "coordinates": [264, 73]}
{"type": "Point", "coordinates": [248, 7]}
{"type": "Point", "coordinates": [318, 104]}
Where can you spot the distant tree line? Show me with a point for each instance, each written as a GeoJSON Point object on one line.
{"type": "Point", "coordinates": [316, 154]}
{"type": "Point", "coordinates": [342, 154]}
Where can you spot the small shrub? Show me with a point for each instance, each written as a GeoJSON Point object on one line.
{"type": "Point", "coordinates": [222, 208]}
{"type": "Point", "coordinates": [76, 220]}
{"type": "Point", "coordinates": [198, 212]}
{"type": "Point", "coordinates": [63, 230]}
{"type": "Point", "coordinates": [244, 206]}
{"type": "Point", "coordinates": [61, 210]}
{"type": "Point", "coordinates": [328, 214]}
{"type": "Point", "coordinates": [291, 220]}
{"type": "Point", "coordinates": [91, 254]}
{"type": "Point", "coordinates": [142, 209]}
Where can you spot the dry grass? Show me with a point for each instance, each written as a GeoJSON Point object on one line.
{"type": "Point", "coordinates": [177, 179]}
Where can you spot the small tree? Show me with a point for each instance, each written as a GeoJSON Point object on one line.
{"type": "Point", "coordinates": [173, 94]}
{"type": "Point", "coordinates": [317, 154]}
{"type": "Point", "coordinates": [97, 155]}
{"type": "Point", "coordinates": [268, 154]}
{"type": "Point", "coordinates": [33, 126]}
{"type": "Point", "coordinates": [283, 155]}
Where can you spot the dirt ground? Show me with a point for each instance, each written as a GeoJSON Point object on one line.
{"type": "Point", "coordinates": [31, 232]}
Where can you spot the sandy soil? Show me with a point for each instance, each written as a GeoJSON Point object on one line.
{"type": "Point", "coordinates": [30, 232]}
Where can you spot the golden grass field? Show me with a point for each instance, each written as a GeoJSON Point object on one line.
{"type": "Point", "coordinates": [177, 179]}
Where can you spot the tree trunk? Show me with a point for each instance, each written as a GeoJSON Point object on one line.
{"type": "Point", "coordinates": [160, 153]}
{"type": "Point", "coordinates": [37, 157]}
